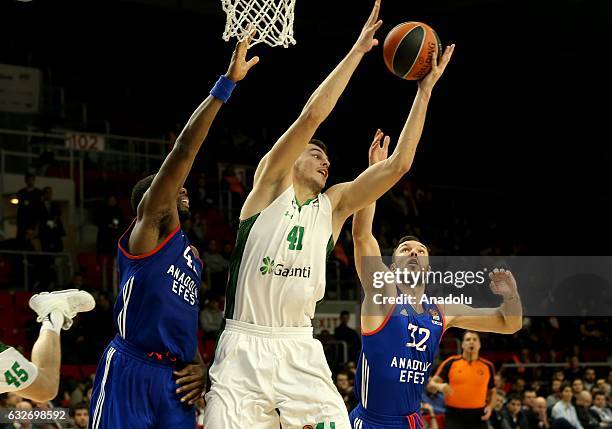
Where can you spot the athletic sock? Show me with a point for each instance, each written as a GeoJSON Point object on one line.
{"type": "Point", "coordinates": [53, 321]}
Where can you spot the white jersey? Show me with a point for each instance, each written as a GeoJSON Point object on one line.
{"type": "Point", "coordinates": [277, 270]}
{"type": "Point", "coordinates": [16, 372]}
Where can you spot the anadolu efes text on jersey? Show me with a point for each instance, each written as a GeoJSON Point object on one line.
{"type": "Point", "coordinates": [277, 270]}
{"type": "Point", "coordinates": [396, 360]}
{"type": "Point", "coordinates": [158, 304]}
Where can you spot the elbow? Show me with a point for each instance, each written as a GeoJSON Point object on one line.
{"type": "Point", "coordinates": [513, 324]}
{"type": "Point", "coordinates": [401, 165]}
{"type": "Point", "coordinates": [44, 394]}
{"type": "Point", "coordinates": [312, 115]}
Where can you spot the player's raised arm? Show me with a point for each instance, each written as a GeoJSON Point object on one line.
{"type": "Point", "coordinates": [275, 168]}
{"type": "Point", "coordinates": [379, 178]}
{"type": "Point", "coordinates": [364, 242]}
{"type": "Point", "coordinates": [157, 212]}
{"type": "Point", "coordinates": [505, 319]}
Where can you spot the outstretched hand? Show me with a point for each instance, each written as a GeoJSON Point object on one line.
{"type": "Point", "coordinates": [377, 152]}
{"type": "Point", "coordinates": [239, 66]}
{"type": "Point", "coordinates": [366, 40]}
{"type": "Point", "coordinates": [428, 82]}
{"type": "Point", "coordinates": [503, 283]}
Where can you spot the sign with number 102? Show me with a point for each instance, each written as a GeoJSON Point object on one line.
{"type": "Point", "coordinates": [84, 142]}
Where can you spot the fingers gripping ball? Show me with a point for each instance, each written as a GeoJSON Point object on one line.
{"type": "Point", "coordinates": [409, 48]}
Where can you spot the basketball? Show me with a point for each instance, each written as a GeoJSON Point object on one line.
{"type": "Point", "coordinates": [408, 50]}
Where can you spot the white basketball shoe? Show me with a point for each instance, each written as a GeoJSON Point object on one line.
{"type": "Point", "coordinates": [70, 302]}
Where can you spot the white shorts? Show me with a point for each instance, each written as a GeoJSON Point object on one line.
{"type": "Point", "coordinates": [259, 370]}
{"type": "Point", "coordinates": [16, 372]}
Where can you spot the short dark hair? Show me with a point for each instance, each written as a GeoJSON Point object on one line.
{"type": "Point", "coordinates": [318, 143]}
{"type": "Point", "coordinates": [529, 389]}
{"type": "Point", "coordinates": [469, 332]}
{"type": "Point", "coordinates": [597, 393]}
{"type": "Point", "coordinates": [410, 238]}
{"type": "Point", "coordinates": [565, 386]}
{"type": "Point", "coordinates": [30, 175]}
{"type": "Point", "coordinates": [139, 190]}
{"type": "Point", "coordinates": [514, 397]}
{"type": "Point", "coordinates": [345, 313]}
{"type": "Point", "coordinates": [80, 406]}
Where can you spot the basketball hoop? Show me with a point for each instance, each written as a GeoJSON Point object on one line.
{"type": "Point", "coordinates": [273, 20]}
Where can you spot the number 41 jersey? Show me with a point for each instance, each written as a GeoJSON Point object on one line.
{"type": "Point", "coordinates": [277, 269]}
{"type": "Point", "coordinates": [396, 360]}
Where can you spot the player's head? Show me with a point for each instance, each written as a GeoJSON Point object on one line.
{"type": "Point", "coordinates": [470, 342]}
{"type": "Point", "coordinates": [411, 253]}
{"type": "Point", "coordinates": [143, 185]}
{"type": "Point", "coordinates": [311, 169]}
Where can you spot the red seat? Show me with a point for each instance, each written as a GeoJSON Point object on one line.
{"type": "Point", "coordinates": [22, 299]}
{"type": "Point", "coordinates": [71, 371]}
{"type": "Point", "coordinates": [91, 269]}
{"type": "Point", "coordinates": [87, 370]}
{"type": "Point", "coordinates": [6, 300]}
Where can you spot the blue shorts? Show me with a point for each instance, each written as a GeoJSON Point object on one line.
{"type": "Point", "coordinates": [361, 418]}
{"type": "Point", "coordinates": [133, 391]}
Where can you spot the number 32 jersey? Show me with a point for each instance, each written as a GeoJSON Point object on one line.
{"type": "Point", "coordinates": [396, 360]}
{"type": "Point", "coordinates": [277, 270]}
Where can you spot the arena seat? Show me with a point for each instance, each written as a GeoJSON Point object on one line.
{"type": "Point", "coordinates": [91, 269]}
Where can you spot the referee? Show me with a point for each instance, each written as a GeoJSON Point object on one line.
{"type": "Point", "coordinates": [467, 382]}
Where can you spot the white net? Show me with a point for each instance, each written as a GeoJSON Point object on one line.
{"type": "Point", "coordinates": [273, 20]}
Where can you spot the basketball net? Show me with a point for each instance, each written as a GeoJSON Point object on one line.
{"type": "Point", "coordinates": [273, 20]}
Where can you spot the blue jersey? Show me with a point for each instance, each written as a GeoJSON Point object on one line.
{"type": "Point", "coordinates": [396, 360]}
{"type": "Point", "coordinates": [158, 304]}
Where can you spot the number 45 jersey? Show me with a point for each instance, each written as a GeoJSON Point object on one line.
{"type": "Point", "coordinates": [396, 360]}
{"type": "Point", "coordinates": [277, 270]}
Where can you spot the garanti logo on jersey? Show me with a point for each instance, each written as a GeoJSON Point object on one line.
{"type": "Point", "coordinates": [435, 317]}
{"type": "Point", "coordinates": [269, 267]}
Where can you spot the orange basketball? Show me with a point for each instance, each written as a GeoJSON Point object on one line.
{"type": "Point", "coordinates": [409, 48]}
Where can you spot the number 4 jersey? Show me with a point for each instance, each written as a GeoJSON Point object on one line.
{"type": "Point", "coordinates": [396, 360]}
{"type": "Point", "coordinates": [16, 372]}
{"type": "Point", "coordinates": [277, 270]}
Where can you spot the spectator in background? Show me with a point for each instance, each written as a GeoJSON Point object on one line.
{"type": "Point", "coordinates": [559, 375]}
{"type": "Point", "coordinates": [589, 378]}
{"type": "Point", "coordinates": [529, 397]}
{"type": "Point", "coordinates": [346, 390]}
{"type": "Point", "coordinates": [111, 223]}
{"type": "Point", "coordinates": [577, 387]}
{"type": "Point", "coordinates": [565, 410]}
{"type": "Point", "coordinates": [601, 385]}
{"type": "Point", "coordinates": [555, 394]}
{"type": "Point", "coordinates": [211, 318]}
{"type": "Point", "coordinates": [601, 409]}
{"type": "Point", "coordinates": [513, 416]}
{"type": "Point", "coordinates": [574, 370]}
{"type": "Point", "coordinates": [80, 415]}
{"type": "Point", "coordinates": [497, 415]}
{"type": "Point", "coordinates": [587, 418]}
{"type": "Point", "coordinates": [50, 227]}
{"type": "Point", "coordinates": [345, 333]}
{"type": "Point", "coordinates": [216, 264]}
{"type": "Point", "coordinates": [540, 409]}
{"type": "Point", "coordinates": [199, 196]}
{"type": "Point", "coordinates": [199, 227]}
{"type": "Point", "coordinates": [28, 209]}
{"type": "Point", "coordinates": [187, 227]}
{"type": "Point", "coordinates": [22, 424]}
